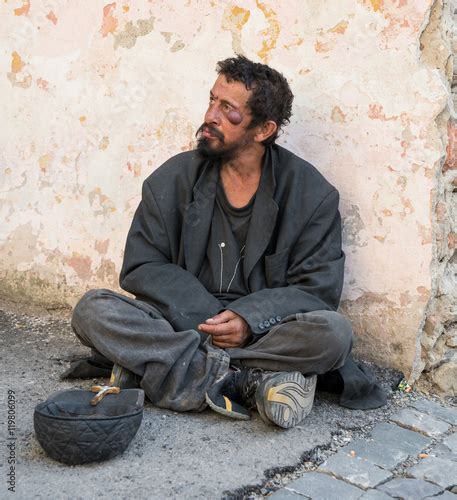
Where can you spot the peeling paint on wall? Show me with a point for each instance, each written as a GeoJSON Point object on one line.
{"type": "Point", "coordinates": [52, 17]}
{"type": "Point", "coordinates": [271, 34]}
{"type": "Point", "coordinates": [109, 23]}
{"type": "Point", "coordinates": [353, 228]}
{"type": "Point", "coordinates": [127, 38]}
{"type": "Point", "coordinates": [22, 11]}
{"type": "Point", "coordinates": [81, 264]}
{"type": "Point", "coordinates": [16, 76]}
{"type": "Point", "coordinates": [234, 20]}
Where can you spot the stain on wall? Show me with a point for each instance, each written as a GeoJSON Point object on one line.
{"type": "Point", "coordinates": [99, 95]}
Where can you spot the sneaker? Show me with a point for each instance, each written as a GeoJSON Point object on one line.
{"type": "Point", "coordinates": [224, 396]}
{"type": "Point", "coordinates": [123, 378]}
{"type": "Point", "coordinates": [283, 398]}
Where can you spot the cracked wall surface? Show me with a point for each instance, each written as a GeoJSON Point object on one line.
{"type": "Point", "coordinates": [96, 95]}
{"type": "Point", "coordinates": [437, 363]}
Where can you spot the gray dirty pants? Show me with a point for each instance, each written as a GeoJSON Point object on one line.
{"type": "Point", "coordinates": [177, 368]}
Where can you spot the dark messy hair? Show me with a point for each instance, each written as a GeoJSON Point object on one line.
{"type": "Point", "coordinates": [271, 97]}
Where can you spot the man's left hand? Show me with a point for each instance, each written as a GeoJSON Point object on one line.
{"type": "Point", "coordinates": [227, 329]}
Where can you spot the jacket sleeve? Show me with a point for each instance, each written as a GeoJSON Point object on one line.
{"type": "Point", "coordinates": [149, 274]}
{"type": "Point", "coordinates": [314, 277]}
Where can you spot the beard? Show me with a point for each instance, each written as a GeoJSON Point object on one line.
{"type": "Point", "coordinates": [219, 152]}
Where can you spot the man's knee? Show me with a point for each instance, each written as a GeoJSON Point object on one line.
{"type": "Point", "coordinates": [89, 307]}
{"type": "Point", "coordinates": [337, 329]}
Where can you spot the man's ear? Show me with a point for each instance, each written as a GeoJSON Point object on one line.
{"type": "Point", "coordinates": [265, 130]}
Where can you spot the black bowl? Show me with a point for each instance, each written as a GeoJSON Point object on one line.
{"type": "Point", "coordinates": [74, 432]}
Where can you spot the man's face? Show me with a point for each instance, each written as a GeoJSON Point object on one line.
{"type": "Point", "coordinates": [224, 133]}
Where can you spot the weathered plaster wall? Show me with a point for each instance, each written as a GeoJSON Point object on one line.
{"type": "Point", "coordinates": [95, 95]}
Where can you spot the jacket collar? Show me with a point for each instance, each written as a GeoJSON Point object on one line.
{"type": "Point", "coordinates": [198, 216]}
{"type": "Point", "coordinates": [264, 214]}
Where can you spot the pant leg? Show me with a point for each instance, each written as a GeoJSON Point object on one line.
{"type": "Point", "coordinates": [176, 368]}
{"type": "Point", "coordinates": [311, 343]}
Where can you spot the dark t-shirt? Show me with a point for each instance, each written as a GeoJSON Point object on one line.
{"type": "Point", "coordinates": [222, 269]}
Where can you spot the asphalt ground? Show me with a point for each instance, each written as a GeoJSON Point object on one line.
{"type": "Point", "coordinates": [191, 455]}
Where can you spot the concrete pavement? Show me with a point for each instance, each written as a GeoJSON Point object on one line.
{"type": "Point", "coordinates": [173, 455]}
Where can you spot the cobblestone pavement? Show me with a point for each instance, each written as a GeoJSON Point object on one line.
{"type": "Point", "coordinates": [412, 456]}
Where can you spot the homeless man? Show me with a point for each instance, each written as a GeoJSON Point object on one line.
{"type": "Point", "coordinates": [234, 259]}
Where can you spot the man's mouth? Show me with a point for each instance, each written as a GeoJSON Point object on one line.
{"type": "Point", "coordinates": [211, 133]}
{"type": "Point", "coordinates": [206, 133]}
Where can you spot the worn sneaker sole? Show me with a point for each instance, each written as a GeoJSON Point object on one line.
{"type": "Point", "coordinates": [220, 403]}
{"type": "Point", "coordinates": [228, 408]}
{"type": "Point", "coordinates": [286, 398]}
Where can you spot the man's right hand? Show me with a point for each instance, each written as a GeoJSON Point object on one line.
{"type": "Point", "coordinates": [227, 329]}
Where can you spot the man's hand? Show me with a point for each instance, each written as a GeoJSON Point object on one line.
{"type": "Point", "coordinates": [227, 330]}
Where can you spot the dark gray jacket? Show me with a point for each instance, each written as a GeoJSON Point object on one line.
{"type": "Point", "coordinates": [293, 261]}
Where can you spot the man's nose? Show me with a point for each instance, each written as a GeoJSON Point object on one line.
{"type": "Point", "coordinates": [212, 114]}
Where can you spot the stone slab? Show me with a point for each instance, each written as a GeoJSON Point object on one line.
{"type": "Point", "coordinates": [449, 415]}
{"type": "Point", "coordinates": [410, 488]}
{"type": "Point", "coordinates": [386, 455]}
{"type": "Point", "coordinates": [323, 487]}
{"type": "Point", "coordinates": [442, 451]}
{"type": "Point", "coordinates": [436, 470]}
{"type": "Point", "coordinates": [374, 495]}
{"type": "Point", "coordinates": [451, 442]}
{"type": "Point", "coordinates": [409, 441]}
{"type": "Point", "coordinates": [420, 422]}
{"type": "Point", "coordinates": [445, 496]}
{"type": "Point", "coordinates": [286, 494]}
{"type": "Point", "coordinates": [355, 470]}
